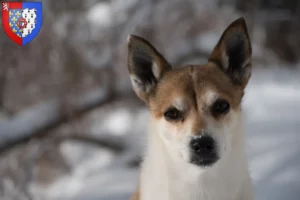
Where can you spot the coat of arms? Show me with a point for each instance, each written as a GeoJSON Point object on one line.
{"type": "Point", "coordinates": [22, 21]}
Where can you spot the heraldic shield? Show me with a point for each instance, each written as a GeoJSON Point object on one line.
{"type": "Point", "coordinates": [22, 21]}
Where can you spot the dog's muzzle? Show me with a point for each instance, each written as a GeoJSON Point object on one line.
{"type": "Point", "coordinates": [203, 151]}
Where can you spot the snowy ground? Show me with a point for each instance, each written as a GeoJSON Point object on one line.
{"type": "Point", "coordinates": [273, 138]}
{"type": "Point", "coordinates": [273, 134]}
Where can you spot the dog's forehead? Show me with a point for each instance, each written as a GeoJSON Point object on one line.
{"type": "Point", "coordinates": [183, 86]}
{"type": "Point", "coordinates": [195, 80]}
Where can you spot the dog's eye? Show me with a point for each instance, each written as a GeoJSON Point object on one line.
{"type": "Point", "coordinates": [172, 114]}
{"type": "Point", "coordinates": [221, 106]}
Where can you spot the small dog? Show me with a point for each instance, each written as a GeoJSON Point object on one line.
{"type": "Point", "coordinates": [196, 144]}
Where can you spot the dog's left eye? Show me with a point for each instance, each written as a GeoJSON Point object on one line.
{"type": "Point", "coordinates": [221, 106]}
{"type": "Point", "coordinates": [172, 114]}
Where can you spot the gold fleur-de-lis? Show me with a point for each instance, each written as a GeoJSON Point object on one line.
{"type": "Point", "coordinates": [14, 30]}
{"type": "Point", "coordinates": [10, 13]}
{"type": "Point", "coordinates": [18, 13]}
{"type": "Point", "coordinates": [14, 19]}
{"type": "Point", "coordinates": [10, 24]}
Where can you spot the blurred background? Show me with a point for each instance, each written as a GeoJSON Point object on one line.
{"type": "Point", "coordinates": [72, 129]}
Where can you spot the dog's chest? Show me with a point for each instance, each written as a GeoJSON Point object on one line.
{"type": "Point", "coordinates": [201, 189]}
{"type": "Point", "coordinates": [177, 188]}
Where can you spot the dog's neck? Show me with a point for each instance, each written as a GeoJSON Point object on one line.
{"type": "Point", "coordinates": [167, 177]}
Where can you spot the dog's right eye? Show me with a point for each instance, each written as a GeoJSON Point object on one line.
{"type": "Point", "coordinates": [221, 106]}
{"type": "Point", "coordinates": [173, 114]}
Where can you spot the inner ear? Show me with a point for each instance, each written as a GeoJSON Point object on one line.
{"type": "Point", "coordinates": [233, 53]}
{"type": "Point", "coordinates": [146, 66]}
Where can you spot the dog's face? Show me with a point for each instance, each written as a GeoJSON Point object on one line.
{"type": "Point", "coordinates": [196, 108]}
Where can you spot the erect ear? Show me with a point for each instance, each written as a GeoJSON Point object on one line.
{"type": "Point", "coordinates": [146, 66]}
{"type": "Point", "coordinates": [233, 53]}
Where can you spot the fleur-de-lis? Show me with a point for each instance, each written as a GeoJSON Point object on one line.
{"type": "Point", "coordinates": [10, 24]}
{"type": "Point", "coordinates": [14, 19]}
{"type": "Point", "coordinates": [18, 13]}
{"type": "Point", "coordinates": [10, 13]}
{"type": "Point", "coordinates": [14, 30]}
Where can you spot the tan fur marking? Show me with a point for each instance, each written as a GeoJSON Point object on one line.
{"type": "Point", "coordinates": [193, 86]}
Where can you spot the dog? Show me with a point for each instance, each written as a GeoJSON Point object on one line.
{"type": "Point", "coordinates": [196, 143]}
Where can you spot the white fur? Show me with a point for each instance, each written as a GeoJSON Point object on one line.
{"type": "Point", "coordinates": [156, 70]}
{"type": "Point", "coordinates": [166, 174]}
{"type": "Point", "coordinates": [138, 85]}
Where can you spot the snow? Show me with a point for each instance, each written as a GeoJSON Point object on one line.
{"type": "Point", "coordinates": [100, 14]}
{"type": "Point", "coordinates": [85, 156]}
{"type": "Point", "coordinates": [118, 123]}
{"type": "Point", "coordinates": [37, 117]}
{"type": "Point", "coordinates": [207, 41]}
{"type": "Point", "coordinates": [272, 127]}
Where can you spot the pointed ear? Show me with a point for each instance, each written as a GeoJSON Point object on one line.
{"type": "Point", "coordinates": [146, 66]}
{"type": "Point", "coordinates": [233, 53]}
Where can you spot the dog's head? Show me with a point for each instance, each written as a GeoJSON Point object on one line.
{"type": "Point", "coordinates": [196, 108]}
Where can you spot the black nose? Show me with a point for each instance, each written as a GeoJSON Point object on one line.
{"type": "Point", "coordinates": [204, 145]}
{"type": "Point", "coordinates": [203, 151]}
